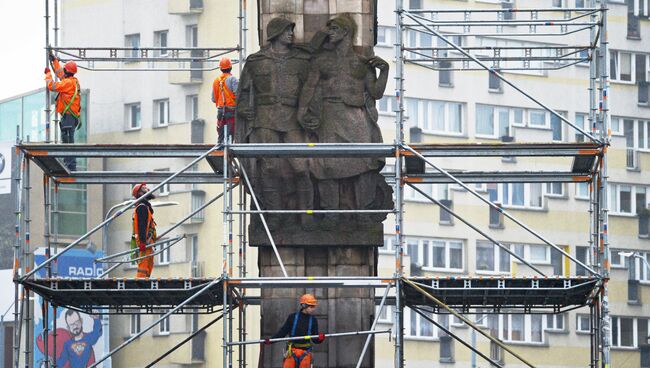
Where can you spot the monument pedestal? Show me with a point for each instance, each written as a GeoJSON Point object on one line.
{"type": "Point", "coordinates": [339, 309]}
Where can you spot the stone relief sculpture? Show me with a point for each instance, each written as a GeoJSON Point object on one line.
{"type": "Point", "coordinates": [337, 105]}
{"type": "Point", "coordinates": [325, 93]}
{"type": "Point", "coordinates": [267, 106]}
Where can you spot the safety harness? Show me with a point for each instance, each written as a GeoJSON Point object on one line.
{"type": "Point", "coordinates": [306, 347]}
{"type": "Point", "coordinates": [66, 109]}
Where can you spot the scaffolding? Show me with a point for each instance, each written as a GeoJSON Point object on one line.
{"type": "Point", "coordinates": [222, 295]}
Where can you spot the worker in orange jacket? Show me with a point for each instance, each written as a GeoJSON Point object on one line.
{"type": "Point", "coordinates": [144, 230]}
{"type": "Point", "coordinates": [224, 90]}
{"type": "Point", "coordinates": [68, 101]}
{"type": "Point", "coordinates": [301, 323]}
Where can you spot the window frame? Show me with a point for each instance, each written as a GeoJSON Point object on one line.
{"type": "Point", "coordinates": [496, 263]}
{"type": "Point", "coordinates": [164, 326]}
{"type": "Point", "coordinates": [128, 42]}
{"type": "Point", "coordinates": [157, 41]}
{"type": "Point", "coordinates": [128, 111]}
{"type": "Point", "coordinates": [157, 113]}
{"type": "Point", "coordinates": [135, 324]}
{"type": "Point", "coordinates": [427, 264]}
{"type": "Point", "coordinates": [419, 320]}
{"type": "Point", "coordinates": [425, 117]}
{"type": "Point", "coordinates": [579, 329]}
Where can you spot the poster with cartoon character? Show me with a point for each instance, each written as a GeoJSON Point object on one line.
{"type": "Point", "coordinates": [80, 337]}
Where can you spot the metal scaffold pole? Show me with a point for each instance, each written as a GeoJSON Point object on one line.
{"type": "Point", "coordinates": [227, 241]}
{"type": "Point", "coordinates": [27, 262]}
{"type": "Point", "coordinates": [399, 220]}
{"type": "Point", "coordinates": [47, 65]}
{"type": "Point", "coordinates": [18, 162]}
{"type": "Point", "coordinates": [604, 190]}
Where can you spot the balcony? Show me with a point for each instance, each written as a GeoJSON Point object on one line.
{"type": "Point", "coordinates": [194, 75]}
{"type": "Point", "coordinates": [185, 7]}
{"type": "Point", "coordinates": [198, 347]}
{"type": "Point", "coordinates": [445, 216]}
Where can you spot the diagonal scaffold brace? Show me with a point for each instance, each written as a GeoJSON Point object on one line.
{"type": "Point", "coordinates": [467, 321]}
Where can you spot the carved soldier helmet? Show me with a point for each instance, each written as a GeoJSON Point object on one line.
{"type": "Point", "coordinates": [276, 26]}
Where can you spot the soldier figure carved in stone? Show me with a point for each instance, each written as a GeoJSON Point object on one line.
{"type": "Point", "coordinates": [337, 105]}
{"type": "Point", "coordinates": [267, 107]}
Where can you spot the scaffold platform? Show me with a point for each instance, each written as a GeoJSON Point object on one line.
{"type": "Point", "coordinates": [491, 294]}
{"type": "Point", "coordinates": [498, 294]}
{"type": "Point", "coordinates": [129, 295]}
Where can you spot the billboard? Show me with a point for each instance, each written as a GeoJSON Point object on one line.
{"type": "Point", "coordinates": [80, 338]}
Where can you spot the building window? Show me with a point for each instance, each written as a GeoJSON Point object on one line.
{"type": "Point", "coordinates": [491, 258]}
{"type": "Point", "coordinates": [160, 40]}
{"type": "Point", "coordinates": [415, 4]}
{"type": "Point", "coordinates": [132, 41]}
{"type": "Point", "coordinates": [580, 4]}
{"type": "Point", "coordinates": [134, 324]}
{"type": "Point", "coordinates": [537, 118]}
{"type": "Point", "coordinates": [161, 112]}
{"type": "Point", "coordinates": [133, 116]}
{"type": "Point", "coordinates": [583, 323]}
{"type": "Point", "coordinates": [192, 36]}
{"type": "Point", "coordinates": [522, 328]}
{"type": "Point", "coordinates": [523, 195]}
{"type": "Point", "coordinates": [624, 332]}
{"type": "Point", "coordinates": [191, 107]}
{"type": "Point", "coordinates": [627, 199]}
{"type": "Point", "coordinates": [615, 258]}
{"type": "Point", "coordinates": [582, 255]}
{"type": "Point", "coordinates": [163, 326]}
{"type": "Point", "coordinates": [557, 3]}
{"type": "Point", "coordinates": [494, 121]}
{"type": "Point", "coordinates": [557, 127]}
{"type": "Point", "coordinates": [555, 189]}
{"type": "Point", "coordinates": [387, 105]}
{"type": "Point", "coordinates": [198, 200]}
{"type": "Point", "coordinates": [435, 254]}
{"type": "Point", "coordinates": [633, 26]}
{"type": "Point", "coordinates": [418, 327]}
{"type": "Point", "coordinates": [163, 256]}
{"type": "Point", "coordinates": [533, 253]}
{"type": "Point", "coordinates": [582, 190]}
{"type": "Point", "coordinates": [385, 36]}
{"type": "Point", "coordinates": [494, 83]}
{"type": "Point", "coordinates": [620, 66]}
{"type": "Point", "coordinates": [72, 209]}
{"type": "Point", "coordinates": [435, 116]}
{"type": "Point", "coordinates": [555, 322]}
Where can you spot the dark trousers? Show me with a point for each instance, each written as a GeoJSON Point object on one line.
{"type": "Point", "coordinates": [68, 126]}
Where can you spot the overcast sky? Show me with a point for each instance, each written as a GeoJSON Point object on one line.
{"type": "Point", "coordinates": [22, 42]}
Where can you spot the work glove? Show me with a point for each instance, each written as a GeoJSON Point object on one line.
{"type": "Point", "coordinates": [47, 71]}
{"type": "Point", "coordinates": [267, 341]}
{"type": "Point", "coordinates": [142, 246]}
{"type": "Point", "coordinates": [51, 56]}
{"type": "Point", "coordinates": [321, 337]}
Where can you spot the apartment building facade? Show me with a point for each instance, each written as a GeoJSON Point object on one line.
{"type": "Point", "coordinates": [133, 106]}
{"type": "Point", "coordinates": [474, 106]}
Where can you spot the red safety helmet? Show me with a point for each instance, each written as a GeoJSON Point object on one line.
{"type": "Point", "coordinates": [308, 299]}
{"type": "Point", "coordinates": [225, 63]}
{"type": "Point", "coordinates": [70, 67]}
{"type": "Point", "coordinates": [136, 189]}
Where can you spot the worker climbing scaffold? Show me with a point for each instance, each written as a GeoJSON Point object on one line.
{"type": "Point", "coordinates": [68, 101]}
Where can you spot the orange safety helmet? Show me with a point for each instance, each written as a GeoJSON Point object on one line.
{"type": "Point", "coordinates": [308, 299]}
{"type": "Point", "coordinates": [70, 67]}
{"type": "Point", "coordinates": [225, 63]}
{"type": "Point", "coordinates": [136, 189]}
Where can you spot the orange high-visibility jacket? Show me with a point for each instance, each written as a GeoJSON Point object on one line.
{"type": "Point", "coordinates": [149, 231]}
{"type": "Point", "coordinates": [66, 88]}
{"type": "Point", "coordinates": [223, 96]}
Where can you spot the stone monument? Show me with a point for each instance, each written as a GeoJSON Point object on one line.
{"type": "Point", "coordinates": [320, 91]}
